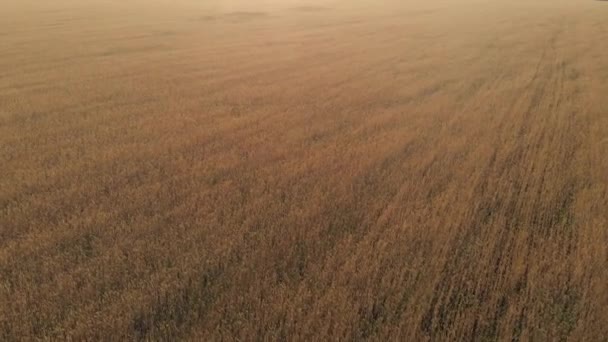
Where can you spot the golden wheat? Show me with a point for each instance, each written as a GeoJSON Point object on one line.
{"type": "Point", "coordinates": [327, 170]}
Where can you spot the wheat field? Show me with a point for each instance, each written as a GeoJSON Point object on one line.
{"type": "Point", "coordinates": [304, 170]}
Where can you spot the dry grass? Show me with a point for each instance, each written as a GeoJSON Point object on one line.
{"type": "Point", "coordinates": [289, 170]}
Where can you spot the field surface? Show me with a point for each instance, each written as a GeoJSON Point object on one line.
{"type": "Point", "coordinates": [304, 170]}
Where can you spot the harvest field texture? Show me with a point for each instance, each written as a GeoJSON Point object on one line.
{"type": "Point", "coordinates": [322, 170]}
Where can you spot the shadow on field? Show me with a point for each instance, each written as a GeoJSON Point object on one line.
{"type": "Point", "coordinates": [235, 16]}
